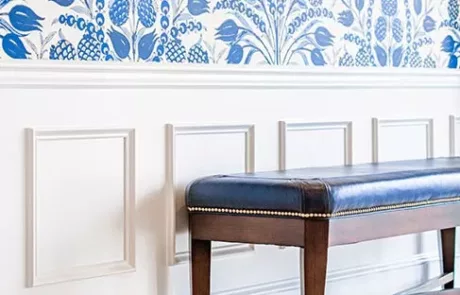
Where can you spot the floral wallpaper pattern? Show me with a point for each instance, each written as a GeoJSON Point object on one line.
{"type": "Point", "coordinates": [343, 33]}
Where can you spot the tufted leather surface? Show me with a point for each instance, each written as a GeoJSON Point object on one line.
{"type": "Point", "coordinates": [331, 189]}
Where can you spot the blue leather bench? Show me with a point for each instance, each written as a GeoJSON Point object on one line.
{"type": "Point", "coordinates": [316, 208]}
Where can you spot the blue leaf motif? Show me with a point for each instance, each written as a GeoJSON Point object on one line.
{"type": "Point", "coordinates": [228, 31]}
{"type": "Point", "coordinates": [249, 56]}
{"type": "Point", "coordinates": [317, 57]}
{"type": "Point", "coordinates": [120, 43]}
{"type": "Point", "coordinates": [397, 56]}
{"type": "Point", "coordinates": [453, 62]}
{"type": "Point", "coordinates": [146, 45]}
{"type": "Point", "coordinates": [24, 19]}
{"type": "Point", "coordinates": [346, 18]}
{"type": "Point", "coordinates": [4, 2]}
{"type": "Point", "coordinates": [381, 55]}
{"type": "Point", "coordinates": [64, 3]}
{"type": "Point", "coordinates": [235, 54]}
{"type": "Point", "coordinates": [359, 4]}
{"type": "Point", "coordinates": [323, 37]}
{"type": "Point", "coordinates": [197, 7]}
{"type": "Point", "coordinates": [14, 47]}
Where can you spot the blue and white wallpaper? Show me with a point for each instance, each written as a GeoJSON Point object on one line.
{"type": "Point", "coordinates": [342, 33]}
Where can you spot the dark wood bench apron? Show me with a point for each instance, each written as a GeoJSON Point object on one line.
{"type": "Point", "coordinates": [318, 208]}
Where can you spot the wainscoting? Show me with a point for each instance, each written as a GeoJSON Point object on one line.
{"type": "Point", "coordinates": [96, 157]}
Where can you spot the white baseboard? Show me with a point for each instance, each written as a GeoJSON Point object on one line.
{"type": "Point", "coordinates": [293, 284]}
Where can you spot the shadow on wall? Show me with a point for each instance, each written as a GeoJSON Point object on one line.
{"type": "Point", "coordinates": [150, 226]}
{"type": "Point", "coordinates": [345, 33]}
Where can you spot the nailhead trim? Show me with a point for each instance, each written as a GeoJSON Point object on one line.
{"type": "Point", "coordinates": [319, 215]}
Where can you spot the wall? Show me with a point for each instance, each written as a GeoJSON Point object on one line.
{"type": "Point", "coordinates": [70, 226]}
{"type": "Point", "coordinates": [95, 155]}
{"type": "Point", "coordinates": [346, 33]}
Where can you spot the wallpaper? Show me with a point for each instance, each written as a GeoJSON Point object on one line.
{"type": "Point", "coordinates": [340, 33]}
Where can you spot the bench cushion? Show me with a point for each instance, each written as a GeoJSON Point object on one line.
{"type": "Point", "coordinates": [329, 191]}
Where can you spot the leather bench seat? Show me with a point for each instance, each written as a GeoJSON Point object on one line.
{"type": "Point", "coordinates": [329, 192]}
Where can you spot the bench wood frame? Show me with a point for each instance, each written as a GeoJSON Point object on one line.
{"type": "Point", "coordinates": [316, 236]}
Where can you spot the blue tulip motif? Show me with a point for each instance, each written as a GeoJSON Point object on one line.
{"type": "Point", "coordinates": [24, 19]}
{"type": "Point", "coordinates": [346, 18]}
{"type": "Point", "coordinates": [359, 4]}
{"type": "Point", "coordinates": [120, 43]}
{"type": "Point", "coordinates": [64, 3]}
{"type": "Point", "coordinates": [397, 56]}
{"type": "Point", "coordinates": [323, 37]}
{"type": "Point", "coordinates": [418, 6]}
{"type": "Point", "coordinates": [146, 45]}
{"type": "Point", "coordinates": [228, 31]}
{"type": "Point", "coordinates": [381, 55]}
{"type": "Point", "coordinates": [317, 57]}
{"type": "Point", "coordinates": [197, 7]}
{"type": "Point", "coordinates": [448, 44]}
{"type": "Point", "coordinates": [13, 46]}
{"type": "Point", "coordinates": [429, 24]}
{"type": "Point", "coordinates": [453, 62]}
{"type": "Point", "coordinates": [235, 54]}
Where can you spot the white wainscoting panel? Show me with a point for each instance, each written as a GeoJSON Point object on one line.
{"type": "Point", "coordinates": [454, 146]}
{"type": "Point", "coordinates": [398, 139]}
{"type": "Point", "coordinates": [229, 138]}
{"type": "Point", "coordinates": [36, 94]}
{"type": "Point", "coordinates": [310, 144]}
{"type": "Point", "coordinates": [80, 190]}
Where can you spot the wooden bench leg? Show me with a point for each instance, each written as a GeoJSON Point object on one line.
{"type": "Point", "coordinates": [315, 256]}
{"type": "Point", "coordinates": [448, 253]}
{"type": "Point", "coordinates": [201, 267]}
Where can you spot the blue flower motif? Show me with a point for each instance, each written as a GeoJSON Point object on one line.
{"type": "Point", "coordinates": [359, 4]}
{"type": "Point", "coordinates": [448, 44]}
{"type": "Point", "coordinates": [24, 19]}
{"type": "Point", "coordinates": [146, 45]}
{"type": "Point", "coordinates": [346, 18]}
{"type": "Point", "coordinates": [429, 24]}
{"type": "Point", "coordinates": [197, 7]}
{"type": "Point", "coordinates": [13, 46]}
{"type": "Point", "coordinates": [323, 37]}
{"type": "Point", "coordinates": [235, 54]}
{"type": "Point", "coordinates": [120, 43]}
{"type": "Point", "coordinates": [64, 3]}
{"type": "Point", "coordinates": [418, 6]}
{"type": "Point", "coordinates": [228, 31]}
{"type": "Point", "coordinates": [317, 57]}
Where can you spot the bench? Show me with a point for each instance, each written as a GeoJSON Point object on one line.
{"type": "Point", "coordinates": [317, 208]}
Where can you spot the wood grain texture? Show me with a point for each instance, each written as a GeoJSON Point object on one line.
{"type": "Point", "coordinates": [378, 225]}
{"type": "Point", "coordinates": [315, 256]}
{"type": "Point", "coordinates": [448, 252]}
{"type": "Point", "coordinates": [248, 229]}
{"type": "Point", "coordinates": [201, 267]}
